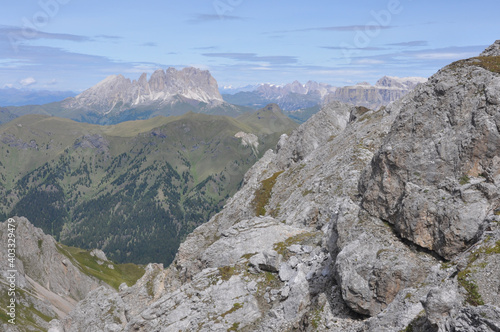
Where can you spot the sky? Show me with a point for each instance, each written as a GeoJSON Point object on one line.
{"type": "Point", "coordinates": [74, 44]}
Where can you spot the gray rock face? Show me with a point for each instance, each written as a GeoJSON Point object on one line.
{"type": "Point", "coordinates": [492, 50]}
{"type": "Point", "coordinates": [484, 318]}
{"type": "Point", "coordinates": [305, 245]}
{"type": "Point", "coordinates": [440, 303]}
{"type": "Point", "coordinates": [106, 310]}
{"type": "Point", "coordinates": [52, 283]}
{"type": "Point", "coordinates": [436, 177]}
{"type": "Point", "coordinates": [117, 92]}
{"type": "Point", "coordinates": [323, 126]}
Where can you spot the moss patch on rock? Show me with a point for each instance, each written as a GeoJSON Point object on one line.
{"type": "Point", "coordinates": [263, 194]}
{"type": "Point", "coordinates": [464, 277]}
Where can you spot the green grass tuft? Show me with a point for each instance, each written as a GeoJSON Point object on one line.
{"type": "Point", "coordinates": [473, 297]}
{"type": "Point", "coordinates": [464, 180]}
{"type": "Point", "coordinates": [263, 194]}
{"type": "Point", "coordinates": [249, 255]}
{"type": "Point", "coordinates": [235, 307]}
{"type": "Point", "coordinates": [234, 327]}
{"type": "Point", "coordinates": [465, 279]}
{"type": "Point", "coordinates": [491, 63]}
{"type": "Point", "coordinates": [282, 247]}
{"type": "Point", "coordinates": [226, 272]}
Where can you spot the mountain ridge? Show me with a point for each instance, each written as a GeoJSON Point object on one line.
{"type": "Point", "coordinates": [52, 278]}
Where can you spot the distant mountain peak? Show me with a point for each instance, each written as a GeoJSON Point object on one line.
{"type": "Point", "coordinates": [116, 93]}
{"type": "Point", "coordinates": [274, 108]}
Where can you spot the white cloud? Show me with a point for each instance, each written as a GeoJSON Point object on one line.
{"type": "Point", "coordinates": [8, 85]}
{"type": "Point", "coordinates": [27, 81]}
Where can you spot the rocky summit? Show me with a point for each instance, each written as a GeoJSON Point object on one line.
{"type": "Point", "coordinates": [360, 220]}
{"type": "Point", "coordinates": [117, 93]}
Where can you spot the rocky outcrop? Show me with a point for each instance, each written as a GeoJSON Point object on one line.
{"type": "Point", "coordinates": [299, 265]}
{"type": "Point", "coordinates": [117, 93]}
{"type": "Point", "coordinates": [436, 178]}
{"type": "Point", "coordinates": [248, 139]}
{"type": "Point", "coordinates": [324, 126]}
{"type": "Point", "coordinates": [344, 227]}
{"type": "Point", "coordinates": [106, 310]}
{"type": "Point", "coordinates": [492, 50]}
{"type": "Point", "coordinates": [48, 281]}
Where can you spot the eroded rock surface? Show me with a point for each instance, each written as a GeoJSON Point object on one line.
{"type": "Point", "coordinates": [436, 177]}
{"type": "Point", "coordinates": [49, 285]}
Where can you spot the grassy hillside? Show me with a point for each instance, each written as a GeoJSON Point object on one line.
{"type": "Point", "coordinates": [134, 189]}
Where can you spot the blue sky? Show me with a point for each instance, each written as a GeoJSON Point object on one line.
{"type": "Point", "coordinates": [74, 44]}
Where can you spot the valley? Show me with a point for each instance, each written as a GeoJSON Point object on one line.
{"type": "Point", "coordinates": [154, 180]}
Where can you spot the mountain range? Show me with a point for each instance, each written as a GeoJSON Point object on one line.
{"type": "Point", "coordinates": [117, 99]}
{"type": "Point", "coordinates": [174, 92]}
{"type": "Point", "coordinates": [300, 101]}
{"type": "Point", "coordinates": [359, 220]}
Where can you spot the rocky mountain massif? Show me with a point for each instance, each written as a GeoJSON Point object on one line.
{"type": "Point", "coordinates": [117, 99]}
{"type": "Point", "coordinates": [301, 101]}
{"type": "Point", "coordinates": [360, 220]}
{"type": "Point", "coordinates": [133, 190]}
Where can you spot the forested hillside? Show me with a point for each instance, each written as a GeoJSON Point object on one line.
{"type": "Point", "coordinates": [134, 190]}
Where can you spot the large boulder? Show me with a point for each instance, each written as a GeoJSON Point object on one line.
{"type": "Point", "coordinates": [436, 177]}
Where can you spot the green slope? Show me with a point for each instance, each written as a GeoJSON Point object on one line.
{"type": "Point", "coordinates": [134, 189]}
